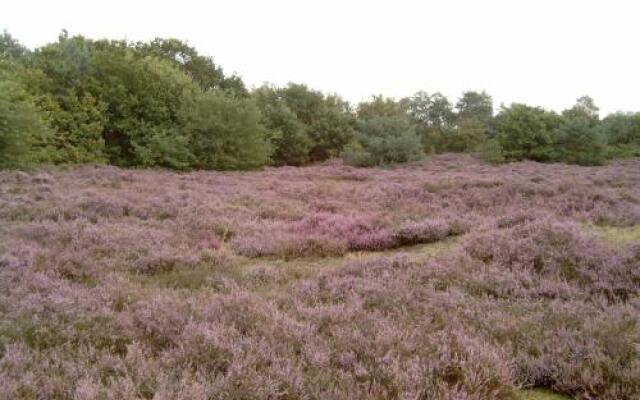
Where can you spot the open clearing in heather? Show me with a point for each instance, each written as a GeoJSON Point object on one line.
{"type": "Point", "coordinates": [445, 279]}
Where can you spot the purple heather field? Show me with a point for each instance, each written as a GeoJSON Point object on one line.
{"type": "Point", "coordinates": [443, 279]}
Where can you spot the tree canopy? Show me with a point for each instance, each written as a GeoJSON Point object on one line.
{"type": "Point", "coordinates": [162, 103]}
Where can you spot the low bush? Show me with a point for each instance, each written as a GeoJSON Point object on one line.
{"type": "Point", "coordinates": [319, 234]}
{"type": "Point", "coordinates": [429, 230]}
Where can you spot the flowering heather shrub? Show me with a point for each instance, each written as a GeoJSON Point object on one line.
{"type": "Point", "coordinates": [575, 347]}
{"type": "Point", "coordinates": [517, 217]}
{"type": "Point", "coordinates": [372, 241]}
{"type": "Point", "coordinates": [426, 231]}
{"type": "Point", "coordinates": [429, 230]}
{"type": "Point", "coordinates": [160, 320]}
{"type": "Point", "coordinates": [358, 233]}
{"type": "Point", "coordinates": [113, 286]}
{"type": "Point", "coordinates": [561, 250]}
{"type": "Point", "coordinates": [163, 263]}
{"type": "Point", "coordinates": [319, 234]}
{"type": "Point", "coordinates": [290, 245]}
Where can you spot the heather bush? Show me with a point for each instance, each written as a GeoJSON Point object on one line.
{"type": "Point", "coordinates": [320, 234]}
{"type": "Point", "coordinates": [517, 217]}
{"type": "Point", "coordinates": [213, 284]}
{"type": "Point", "coordinates": [552, 248]}
{"type": "Point", "coordinates": [288, 245]}
{"type": "Point", "coordinates": [571, 347]}
{"type": "Point", "coordinates": [422, 232]}
{"type": "Point", "coordinates": [429, 230]}
{"type": "Point", "coordinates": [163, 263]}
{"type": "Point", "coordinates": [358, 233]}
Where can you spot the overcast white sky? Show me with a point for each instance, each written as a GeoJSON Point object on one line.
{"type": "Point", "coordinates": [541, 52]}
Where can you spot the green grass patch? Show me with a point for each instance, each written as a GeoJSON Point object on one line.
{"type": "Point", "coordinates": [618, 236]}
{"type": "Point", "coordinates": [43, 334]}
{"type": "Point", "coordinates": [243, 270]}
{"type": "Point", "coordinates": [192, 278]}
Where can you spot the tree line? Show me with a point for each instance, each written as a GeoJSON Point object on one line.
{"type": "Point", "coordinates": [163, 104]}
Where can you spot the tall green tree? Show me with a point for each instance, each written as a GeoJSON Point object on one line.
{"type": "Point", "coordinates": [476, 105]}
{"type": "Point", "coordinates": [471, 128]}
{"type": "Point", "coordinates": [380, 106]}
{"type": "Point", "coordinates": [332, 130]}
{"type": "Point", "coordinates": [384, 140]}
{"type": "Point", "coordinates": [11, 48]}
{"type": "Point", "coordinates": [526, 132]}
{"type": "Point", "coordinates": [202, 69]}
{"type": "Point", "coordinates": [143, 96]}
{"type": "Point", "coordinates": [441, 115]}
{"type": "Point", "coordinates": [289, 135]}
{"type": "Point", "coordinates": [224, 132]}
{"type": "Point", "coordinates": [326, 121]}
{"type": "Point", "coordinates": [579, 137]}
{"type": "Point", "coordinates": [579, 141]}
{"type": "Point", "coordinates": [434, 118]}
{"type": "Point", "coordinates": [467, 136]}
{"type": "Point", "coordinates": [59, 75]}
{"type": "Point", "coordinates": [306, 103]}
{"type": "Point", "coordinates": [585, 107]}
{"type": "Point", "coordinates": [107, 101]}
{"type": "Point", "coordinates": [24, 136]}
{"type": "Point", "coordinates": [418, 107]}
{"type": "Point", "coordinates": [622, 128]}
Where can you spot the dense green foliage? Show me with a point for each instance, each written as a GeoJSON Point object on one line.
{"type": "Point", "coordinates": [108, 101]}
{"type": "Point", "coordinates": [526, 132]}
{"type": "Point", "coordinates": [381, 106]}
{"type": "Point", "coordinates": [204, 72]}
{"type": "Point", "coordinates": [291, 142]}
{"type": "Point", "coordinates": [622, 128]}
{"type": "Point", "coordinates": [533, 133]}
{"type": "Point", "coordinates": [10, 48]}
{"type": "Point", "coordinates": [580, 141]}
{"type": "Point", "coordinates": [517, 132]}
{"type": "Point", "coordinates": [623, 133]}
{"type": "Point", "coordinates": [23, 133]}
{"type": "Point", "coordinates": [306, 125]}
{"type": "Point", "coordinates": [579, 138]}
{"type": "Point", "coordinates": [224, 132]}
{"type": "Point", "coordinates": [384, 140]}
{"type": "Point", "coordinates": [477, 105]}
{"type": "Point", "coordinates": [161, 103]}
